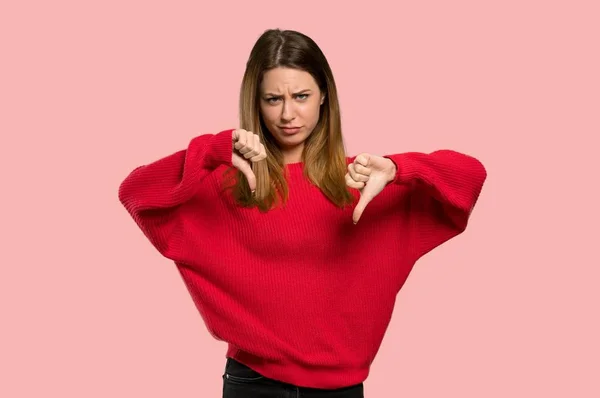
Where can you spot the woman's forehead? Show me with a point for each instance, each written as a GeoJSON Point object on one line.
{"type": "Point", "coordinates": [280, 80]}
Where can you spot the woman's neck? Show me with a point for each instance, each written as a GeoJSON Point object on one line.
{"type": "Point", "coordinates": [293, 155]}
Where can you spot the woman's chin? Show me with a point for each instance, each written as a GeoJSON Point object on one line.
{"type": "Point", "coordinates": [290, 140]}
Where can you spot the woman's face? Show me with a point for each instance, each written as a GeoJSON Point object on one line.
{"type": "Point", "coordinates": [290, 102]}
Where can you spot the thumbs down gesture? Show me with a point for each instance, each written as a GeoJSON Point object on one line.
{"type": "Point", "coordinates": [369, 174]}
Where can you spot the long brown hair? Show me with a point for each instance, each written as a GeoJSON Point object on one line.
{"type": "Point", "coordinates": [324, 155]}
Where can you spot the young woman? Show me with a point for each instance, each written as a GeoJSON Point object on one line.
{"type": "Point", "coordinates": [292, 251]}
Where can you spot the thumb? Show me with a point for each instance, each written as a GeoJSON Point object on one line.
{"type": "Point", "coordinates": [246, 169]}
{"type": "Point", "coordinates": [365, 198]}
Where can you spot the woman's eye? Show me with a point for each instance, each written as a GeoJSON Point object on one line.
{"type": "Point", "coordinates": [273, 100]}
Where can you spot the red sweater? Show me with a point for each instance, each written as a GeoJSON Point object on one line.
{"type": "Point", "coordinates": [300, 293]}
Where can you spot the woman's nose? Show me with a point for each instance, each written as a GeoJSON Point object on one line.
{"type": "Point", "coordinates": [288, 112]}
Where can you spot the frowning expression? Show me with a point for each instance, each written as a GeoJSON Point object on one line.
{"type": "Point", "coordinates": [290, 102]}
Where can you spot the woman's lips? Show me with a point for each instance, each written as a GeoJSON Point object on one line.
{"type": "Point", "coordinates": [290, 130]}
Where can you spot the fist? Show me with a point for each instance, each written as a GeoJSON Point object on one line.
{"type": "Point", "coordinates": [247, 149]}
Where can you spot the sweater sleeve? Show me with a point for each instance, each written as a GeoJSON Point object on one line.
{"type": "Point", "coordinates": [153, 194]}
{"type": "Point", "coordinates": [445, 188]}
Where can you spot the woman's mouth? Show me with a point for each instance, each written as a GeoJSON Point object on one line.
{"type": "Point", "coordinates": [290, 130]}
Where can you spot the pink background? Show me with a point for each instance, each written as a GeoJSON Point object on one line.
{"type": "Point", "coordinates": [91, 90]}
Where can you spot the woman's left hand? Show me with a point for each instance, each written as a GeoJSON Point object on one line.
{"type": "Point", "coordinates": [369, 174]}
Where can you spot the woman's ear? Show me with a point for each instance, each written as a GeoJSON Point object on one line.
{"type": "Point", "coordinates": [322, 99]}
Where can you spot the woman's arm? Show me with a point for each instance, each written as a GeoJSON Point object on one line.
{"type": "Point", "coordinates": [446, 186]}
{"type": "Point", "coordinates": [153, 193]}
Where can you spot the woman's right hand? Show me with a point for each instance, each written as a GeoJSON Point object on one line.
{"type": "Point", "coordinates": [247, 149]}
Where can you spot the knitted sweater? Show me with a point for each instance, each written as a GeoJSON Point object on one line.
{"type": "Point", "coordinates": [300, 294]}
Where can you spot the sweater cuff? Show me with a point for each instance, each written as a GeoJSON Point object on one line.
{"type": "Point", "coordinates": [407, 168]}
{"type": "Point", "coordinates": [220, 151]}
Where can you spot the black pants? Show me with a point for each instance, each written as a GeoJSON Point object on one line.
{"type": "Point", "coordinates": [239, 381]}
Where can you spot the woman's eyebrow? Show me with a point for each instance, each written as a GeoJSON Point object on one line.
{"type": "Point", "coordinates": [296, 93]}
